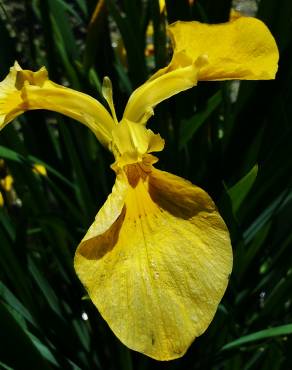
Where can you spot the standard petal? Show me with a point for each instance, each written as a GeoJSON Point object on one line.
{"type": "Point", "coordinates": [242, 49]}
{"type": "Point", "coordinates": [24, 90]}
{"type": "Point", "coordinates": [142, 101]}
{"type": "Point", "coordinates": [159, 272]}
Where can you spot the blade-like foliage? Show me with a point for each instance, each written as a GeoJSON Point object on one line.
{"type": "Point", "coordinates": [233, 139]}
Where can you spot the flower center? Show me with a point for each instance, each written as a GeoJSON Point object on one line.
{"type": "Point", "coordinates": [131, 143]}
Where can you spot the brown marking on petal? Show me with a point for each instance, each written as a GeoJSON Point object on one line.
{"type": "Point", "coordinates": [97, 247]}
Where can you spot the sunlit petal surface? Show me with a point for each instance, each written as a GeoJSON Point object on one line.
{"type": "Point", "coordinates": [24, 90]}
{"type": "Point", "coordinates": [158, 270]}
{"type": "Point", "coordinates": [154, 91]}
{"type": "Point", "coordinates": [242, 49]}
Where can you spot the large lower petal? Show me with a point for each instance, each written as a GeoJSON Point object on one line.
{"type": "Point", "coordinates": [24, 90]}
{"type": "Point", "coordinates": [158, 273]}
{"type": "Point", "coordinates": [110, 211]}
{"type": "Point", "coordinates": [242, 49]}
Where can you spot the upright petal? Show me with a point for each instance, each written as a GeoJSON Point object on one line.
{"type": "Point", "coordinates": [242, 49]}
{"type": "Point", "coordinates": [142, 101]}
{"type": "Point", "coordinates": [159, 272]}
{"type": "Point", "coordinates": [24, 90]}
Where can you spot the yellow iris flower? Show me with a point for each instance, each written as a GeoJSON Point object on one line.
{"type": "Point", "coordinates": [39, 169]}
{"type": "Point", "coordinates": [157, 258]}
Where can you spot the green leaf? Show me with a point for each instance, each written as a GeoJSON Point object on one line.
{"type": "Point", "coordinates": [58, 11]}
{"type": "Point", "coordinates": [12, 268]}
{"type": "Point", "coordinates": [83, 6]}
{"type": "Point", "coordinates": [63, 53]}
{"type": "Point", "coordinates": [7, 296]}
{"type": "Point", "coordinates": [259, 335]}
{"type": "Point", "coordinates": [12, 155]}
{"type": "Point", "coordinates": [123, 76]}
{"type": "Point", "coordinates": [44, 286]}
{"type": "Point", "coordinates": [125, 359]}
{"type": "Point", "coordinates": [7, 42]}
{"type": "Point", "coordinates": [43, 349]}
{"type": "Point", "coordinates": [17, 349]}
{"type": "Point", "coordinates": [5, 367]}
{"type": "Point", "coordinates": [190, 126]}
{"type": "Point", "coordinates": [7, 224]}
{"type": "Point", "coordinates": [82, 189]}
{"type": "Point", "coordinates": [34, 160]}
{"type": "Point", "coordinates": [265, 216]}
{"type": "Point", "coordinates": [7, 153]}
{"type": "Point", "coordinates": [178, 10]}
{"type": "Point", "coordinates": [94, 35]}
{"type": "Point", "coordinates": [159, 34]}
{"type": "Point", "coordinates": [133, 39]}
{"type": "Point", "coordinates": [240, 190]}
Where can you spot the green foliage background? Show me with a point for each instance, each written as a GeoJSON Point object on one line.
{"type": "Point", "coordinates": [239, 150]}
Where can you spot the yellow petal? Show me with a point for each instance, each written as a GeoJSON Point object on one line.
{"type": "Point", "coordinates": [158, 273]}
{"type": "Point", "coordinates": [10, 99]}
{"type": "Point", "coordinates": [107, 92]}
{"type": "Point", "coordinates": [235, 14]}
{"type": "Point", "coordinates": [111, 210]}
{"type": "Point", "coordinates": [131, 142]}
{"type": "Point", "coordinates": [142, 101]}
{"type": "Point", "coordinates": [242, 49]}
{"type": "Point", "coordinates": [7, 183]}
{"type": "Point", "coordinates": [39, 169]}
{"type": "Point", "coordinates": [25, 90]}
{"type": "Point", "coordinates": [1, 200]}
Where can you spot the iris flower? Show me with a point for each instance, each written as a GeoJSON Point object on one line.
{"type": "Point", "coordinates": [157, 258]}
